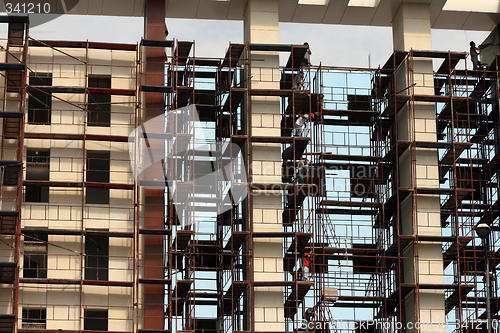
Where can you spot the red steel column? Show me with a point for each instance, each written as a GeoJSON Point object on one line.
{"type": "Point", "coordinates": [153, 199]}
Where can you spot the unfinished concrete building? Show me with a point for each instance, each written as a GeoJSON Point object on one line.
{"type": "Point", "coordinates": [403, 165]}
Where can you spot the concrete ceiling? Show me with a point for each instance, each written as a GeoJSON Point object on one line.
{"type": "Point", "coordinates": [481, 15]}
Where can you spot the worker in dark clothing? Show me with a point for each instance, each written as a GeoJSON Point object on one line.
{"type": "Point", "coordinates": [305, 60]}
{"type": "Point", "coordinates": [474, 56]}
{"type": "Point", "coordinates": [309, 317]}
{"type": "Point", "coordinates": [298, 82]}
{"type": "Point", "coordinates": [310, 314]}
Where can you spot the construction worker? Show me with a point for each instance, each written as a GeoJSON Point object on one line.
{"type": "Point", "coordinates": [306, 264]}
{"type": "Point", "coordinates": [309, 316]}
{"type": "Point", "coordinates": [299, 124]}
{"type": "Point", "coordinates": [298, 81]}
{"type": "Point", "coordinates": [474, 56]}
{"type": "Point", "coordinates": [305, 60]}
{"type": "Point", "coordinates": [302, 171]}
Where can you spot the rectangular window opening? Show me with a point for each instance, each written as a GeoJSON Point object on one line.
{"type": "Point", "coordinates": [98, 168]}
{"type": "Point", "coordinates": [39, 102]}
{"type": "Point", "coordinates": [95, 320]}
{"type": "Point", "coordinates": [37, 164]}
{"type": "Point", "coordinates": [34, 318]}
{"type": "Point", "coordinates": [96, 258]}
{"type": "Point", "coordinates": [36, 193]}
{"type": "Point", "coordinates": [99, 105]}
{"type": "Point", "coordinates": [35, 266]}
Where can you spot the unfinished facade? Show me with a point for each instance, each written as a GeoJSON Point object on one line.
{"type": "Point", "coordinates": [402, 164]}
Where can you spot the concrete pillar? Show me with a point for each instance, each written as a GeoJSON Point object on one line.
{"type": "Point", "coordinates": [418, 167]}
{"type": "Point", "coordinates": [261, 26]}
{"type": "Point", "coordinates": [153, 202]}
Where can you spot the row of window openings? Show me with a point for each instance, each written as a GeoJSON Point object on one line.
{"type": "Point", "coordinates": [38, 168]}
{"type": "Point", "coordinates": [95, 320]}
{"type": "Point", "coordinates": [40, 102]}
{"type": "Point", "coordinates": [96, 257]}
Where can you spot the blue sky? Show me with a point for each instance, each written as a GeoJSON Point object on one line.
{"type": "Point", "coordinates": [333, 45]}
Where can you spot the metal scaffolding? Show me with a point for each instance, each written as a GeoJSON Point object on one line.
{"type": "Point", "coordinates": [186, 259]}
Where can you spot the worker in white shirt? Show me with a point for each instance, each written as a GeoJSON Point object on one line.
{"type": "Point", "coordinates": [299, 123]}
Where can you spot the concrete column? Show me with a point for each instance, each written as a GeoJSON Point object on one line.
{"type": "Point", "coordinates": [418, 167]}
{"type": "Point", "coordinates": [262, 27]}
{"type": "Point", "coordinates": [153, 202]}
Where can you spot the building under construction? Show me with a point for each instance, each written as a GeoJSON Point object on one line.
{"type": "Point", "coordinates": [402, 164]}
